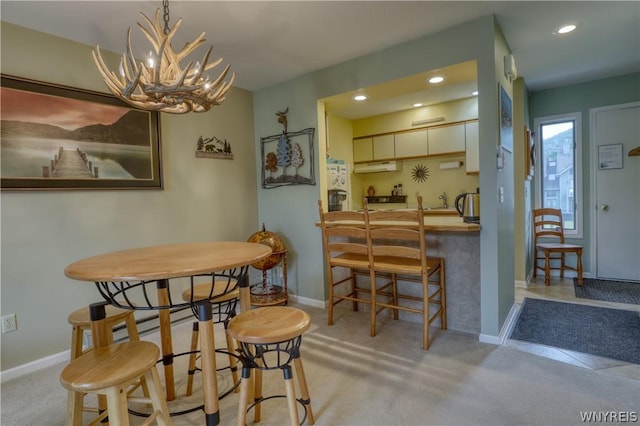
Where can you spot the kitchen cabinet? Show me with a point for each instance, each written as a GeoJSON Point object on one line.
{"type": "Point", "coordinates": [412, 144]}
{"type": "Point", "coordinates": [454, 138]}
{"type": "Point", "coordinates": [374, 148]}
{"type": "Point", "coordinates": [384, 147]}
{"type": "Point", "coordinates": [447, 139]}
{"type": "Point", "coordinates": [472, 140]}
{"type": "Point", "coordinates": [363, 149]}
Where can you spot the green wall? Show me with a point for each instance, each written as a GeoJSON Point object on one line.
{"type": "Point", "coordinates": [292, 211]}
{"type": "Point", "coordinates": [581, 98]}
{"type": "Point", "coordinates": [43, 232]}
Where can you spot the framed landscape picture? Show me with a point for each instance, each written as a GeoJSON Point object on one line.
{"type": "Point", "coordinates": [56, 137]}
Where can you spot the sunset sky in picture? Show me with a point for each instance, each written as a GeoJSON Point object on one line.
{"type": "Point", "coordinates": [70, 114]}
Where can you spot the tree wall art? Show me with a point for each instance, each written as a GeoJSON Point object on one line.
{"type": "Point", "coordinates": [288, 159]}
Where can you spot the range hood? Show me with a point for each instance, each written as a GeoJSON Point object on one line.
{"type": "Point", "coordinates": [382, 166]}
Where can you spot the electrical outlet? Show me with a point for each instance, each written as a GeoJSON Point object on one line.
{"type": "Point", "coordinates": [9, 323]}
{"type": "Point", "coordinates": [86, 340]}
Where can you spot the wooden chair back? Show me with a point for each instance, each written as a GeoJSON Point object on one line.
{"type": "Point", "coordinates": [547, 223]}
{"type": "Point", "coordinates": [344, 238]}
{"type": "Point", "coordinates": [548, 226]}
{"type": "Point", "coordinates": [394, 248]}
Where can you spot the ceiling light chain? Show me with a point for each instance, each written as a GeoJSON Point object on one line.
{"type": "Point", "coordinates": [162, 84]}
{"type": "Point", "coordinates": [165, 7]}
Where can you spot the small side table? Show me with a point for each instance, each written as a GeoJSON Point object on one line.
{"type": "Point", "coordinates": [265, 294]}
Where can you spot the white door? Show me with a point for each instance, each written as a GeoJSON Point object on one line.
{"type": "Point", "coordinates": [617, 191]}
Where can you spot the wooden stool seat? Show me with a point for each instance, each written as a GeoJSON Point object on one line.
{"type": "Point", "coordinates": [80, 320]}
{"type": "Point", "coordinates": [272, 325]}
{"type": "Point", "coordinates": [217, 294]}
{"type": "Point", "coordinates": [270, 338]}
{"type": "Point", "coordinates": [224, 306]}
{"type": "Point", "coordinates": [109, 371]}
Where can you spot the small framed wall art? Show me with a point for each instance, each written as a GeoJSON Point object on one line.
{"type": "Point", "coordinates": [288, 159]}
{"type": "Point", "coordinates": [506, 120]}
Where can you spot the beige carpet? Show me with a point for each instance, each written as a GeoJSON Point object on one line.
{"type": "Point", "coordinates": [387, 380]}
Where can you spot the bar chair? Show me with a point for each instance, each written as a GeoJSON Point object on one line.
{"type": "Point", "coordinates": [548, 231]}
{"type": "Point", "coordinates": [345, 244]}
{"type": "Point", "coordinates": [396, 242]}
{"type": "Point", "coordinates": [269, 339]}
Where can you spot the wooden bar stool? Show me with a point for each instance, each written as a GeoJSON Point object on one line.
{"type": "Point", "coordinates": [110, 371]}
{"type": "Point", "coordinates": [113, 371]}
{"type": "Point", "coordinates": [80, 321]}
{"type": "Point", "coordinates": [270, 339]}
{"type": "Point", "coordinates": [224, 304]}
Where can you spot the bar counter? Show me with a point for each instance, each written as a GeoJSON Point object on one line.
{"type": "Point", "coordinates": [448, 236]}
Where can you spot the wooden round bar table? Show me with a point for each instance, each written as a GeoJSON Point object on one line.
{"type": "Point", "coordinates": [126, 278]}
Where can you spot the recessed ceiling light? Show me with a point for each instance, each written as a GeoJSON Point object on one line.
{"type": "Point", "coordinates": [437, 79]}
{"type": "Point", "coordinates": [474, 93]}
{"type": "Point", "coordinates": [417, 105]}
{"type": "Point", "coordinates": [359, 98]}
{"type": "Point", "coordinates": [564, 29]}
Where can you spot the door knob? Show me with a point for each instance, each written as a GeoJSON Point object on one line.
{"type": "Point", "coordinates": [604, 207]}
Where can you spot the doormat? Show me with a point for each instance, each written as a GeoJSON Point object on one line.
{"type": "Point", "coordinates": [610, 333]}
{"type": "Point", "coordinates": [610, 291]}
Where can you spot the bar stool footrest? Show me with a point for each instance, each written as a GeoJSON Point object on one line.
{"type": "Point", "coordinates": [298, 400]}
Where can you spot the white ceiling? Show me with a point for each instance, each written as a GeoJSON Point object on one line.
{"type": "Point", "coordinates": [268, 42]}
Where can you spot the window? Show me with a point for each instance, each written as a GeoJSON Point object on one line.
{"type": "Point", "coordinates": [559, 168]}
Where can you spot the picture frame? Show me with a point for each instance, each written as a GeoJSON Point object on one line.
{"type": "Point", "coordinates": [281, 153]}
{"type": "Point", "coordinates": [529, 154]}
{"type": "Point", "coordinates": [506, 120]}
{"type": "Point", "coordinates": [56, 137]}
{"type": "Point", "coordinates": [610, 156]}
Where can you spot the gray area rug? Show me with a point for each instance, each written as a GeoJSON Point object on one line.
{"type": "Point", "coordinates": [610, 333]}
{"type": "Point", "coordinates": [610, 291]}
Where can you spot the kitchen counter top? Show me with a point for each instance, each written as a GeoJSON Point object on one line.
{"type": "Point", "coordinates": [441, 212]}
{"type": "Point", "coordinates": [438, 223]}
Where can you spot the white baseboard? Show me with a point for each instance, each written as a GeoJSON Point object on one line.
{"type": "Point", "coordinates": [306, 301]}
{"type": "Point", "coordinates": [505, 330]}
{"type": "Point", "coordinates": [39, 364]}
{"type": "Point", "coordinates": [33, 366]}
{"type": "Point", "coordinates": [521, 284]}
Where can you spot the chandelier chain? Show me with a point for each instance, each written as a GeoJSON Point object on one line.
{"type": "Point", "coordinates": [165, 8]}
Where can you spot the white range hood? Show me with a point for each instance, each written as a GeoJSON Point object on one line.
{"type": "Point", "coordinates": [382, 166]}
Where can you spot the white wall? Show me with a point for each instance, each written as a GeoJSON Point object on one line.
{"type": "Point", "coordinates": [43, 232]}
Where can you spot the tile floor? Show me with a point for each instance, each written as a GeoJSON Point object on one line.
{"type": "Point", "coordinates": [562, 290]}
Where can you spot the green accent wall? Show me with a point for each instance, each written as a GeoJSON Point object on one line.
{"type": "Point", "coordinates": [581, 98]}
{"type": "Point", "coordinates": [292, 211]}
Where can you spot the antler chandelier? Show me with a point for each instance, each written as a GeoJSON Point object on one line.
{"type": "Point", "coordinates": [162, 84]}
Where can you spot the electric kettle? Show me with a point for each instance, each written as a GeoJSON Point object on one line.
{"type": "Point", "coordinates": [468, 206]}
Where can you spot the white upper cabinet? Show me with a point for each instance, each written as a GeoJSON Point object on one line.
{"type": "Point", "coordinates": [447, 139]}
{"type": "Point", "coordinates": [411, 144]}
{"type": "Point", "coordinates": [362, 149]}
{"type": "Point", "coordinates": [454, 138]}
{"type": "Point", "coordinates": [383, 147]}
{"type": "Point", "coordinates": [473, 147]}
